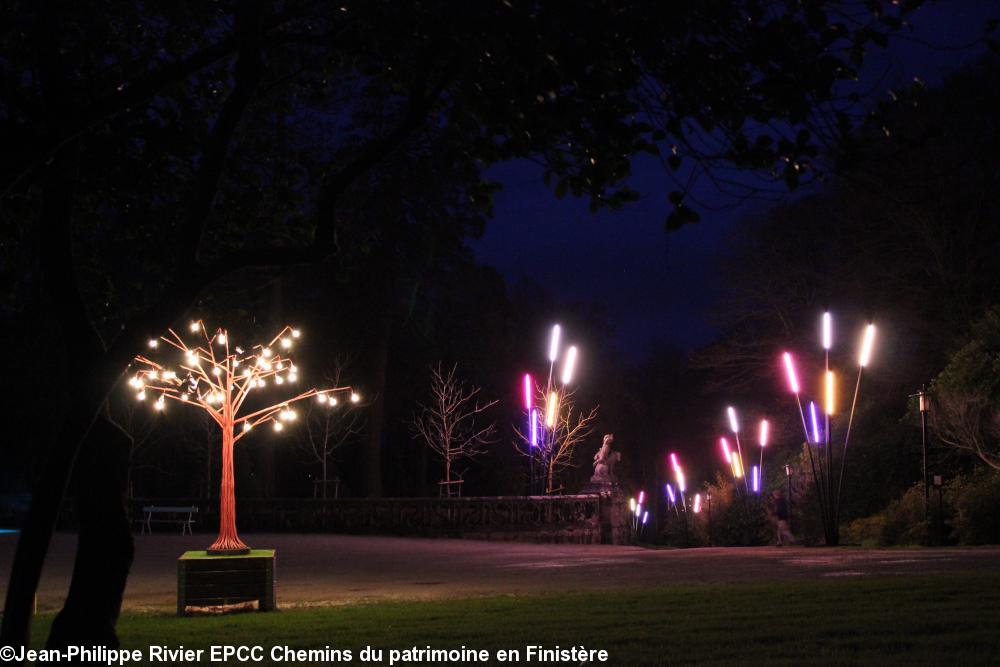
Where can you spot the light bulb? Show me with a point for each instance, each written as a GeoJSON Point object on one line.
{"type": "Point", "coordinates": [246, 426]}
{"type": "Point", "coordinates": [153, 342]}
{"type": "Point", "coordinates": [355, 397]}
{"type": "Point", "coordinates": [221, 338]}
{"type": "Point", "coordinates": [296, 333]}
{"type": "Point", "coordinates": [278, 426]}
{"type": "Point", "coordinates": [321, 398]}
{"type": "Point", "coordinates": [193, 327]}
{"type": "Point", "coordinates": [286, 343]}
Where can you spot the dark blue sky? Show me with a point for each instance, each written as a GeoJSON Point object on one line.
{"type": "Point", "coordinates": [654, 286]}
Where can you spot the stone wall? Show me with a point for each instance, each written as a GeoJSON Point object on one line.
{"type": "Point", "coordinates": [583, 519]}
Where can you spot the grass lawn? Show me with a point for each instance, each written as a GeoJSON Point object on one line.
{"type": "Point", "coordinates": [932, 620]}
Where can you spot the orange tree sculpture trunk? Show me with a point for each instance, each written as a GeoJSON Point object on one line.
{"type": "Point", "coordinates": [227, 540]}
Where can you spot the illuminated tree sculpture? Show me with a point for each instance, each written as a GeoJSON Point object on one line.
{"type": "Point", "coordinates": [223, 381]}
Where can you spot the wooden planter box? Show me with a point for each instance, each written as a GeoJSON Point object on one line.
{"type": "Point", "coordinates": [204, 580]}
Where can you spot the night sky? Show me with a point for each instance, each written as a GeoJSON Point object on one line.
{"type": "Point", "coordinates": [656, 287]}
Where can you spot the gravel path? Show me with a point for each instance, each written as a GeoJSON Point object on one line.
{"type": "Point", "coordinates": [338, 569]}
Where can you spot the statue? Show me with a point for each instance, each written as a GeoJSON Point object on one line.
{"type": "Point", "coordinates": [604, 462]}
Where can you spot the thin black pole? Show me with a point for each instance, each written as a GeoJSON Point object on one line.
{"type": "Point", "coordinates": [834, 514]}
{"type": "Point", "coordinates": [788, 474]}
{"type": "Point", "coordinates": [834, 520]}
{"type": "Point", "coordinates": [816, 478]}
{"type": "Point", "coordinates": [847, 437]}
{"type": "Point", "coordinates": [709, 499]}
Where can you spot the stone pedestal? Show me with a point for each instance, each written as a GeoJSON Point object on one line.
{"type": "Point", "coordinates": [205, 580]}
{"type": "Point", "coordinates": [615, 516]}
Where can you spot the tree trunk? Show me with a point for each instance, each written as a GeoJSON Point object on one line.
{"type": "Point", "coordinates": [373, 451]}
{"type": "Point", "coordinates": [36, 531]}
{"type": "Point", "coordinates": [228, 540]}
{"type": "Point", "coordinates": [104, 549]}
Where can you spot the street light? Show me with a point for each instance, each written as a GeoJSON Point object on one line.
{"type": "Point", "coordinates": [924, 406]}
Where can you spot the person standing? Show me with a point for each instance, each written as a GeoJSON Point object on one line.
{"type": "Point", "coordinates": [779, 514]}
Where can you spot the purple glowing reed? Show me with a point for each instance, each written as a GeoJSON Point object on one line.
{"type": "Point", "coordinates": [670, 494]}
{"type": "Point", "coordinates": [756, 479]}
{"type": "Point", "coordinates": [534, 427]}
{"type": "Point", "coordinates": [815, 422]}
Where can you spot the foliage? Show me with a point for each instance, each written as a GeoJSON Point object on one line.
{"type": "Point", "coordinates": [735, 519]}
{"type": "Point", "coordinates": [966, 394]}
{"type": "Point", "coordinates": [967, 512]}
{"type": "Point", "coordinates": [976, 499]}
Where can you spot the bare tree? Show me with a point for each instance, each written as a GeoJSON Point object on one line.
{"type": "Point", "coordinates": [141, 426]}
{"type": "Point", "coordinates": [556, 441]}
{"type": "Point", "coordinates": [969, 423]}
{"type": "Point", "coordinates": [966, 394]}
{"type": "Point", "coordinates": [448, 424]}
{"type": "Point", "coordinates": [329, 424]}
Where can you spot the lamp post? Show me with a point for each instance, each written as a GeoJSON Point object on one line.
{"type": "Point", "coordinates": [708, 499]}
{"type": "Point", "coordinates": [922, 397]}
{"type": "Point", "coordinates": [788, 476]}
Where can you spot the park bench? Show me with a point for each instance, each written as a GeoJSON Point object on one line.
{"type": "Point", "coordinates": [179, 515]}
